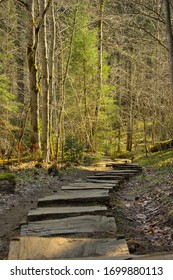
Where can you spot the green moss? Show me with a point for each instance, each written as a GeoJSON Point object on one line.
{"type": "Point", "coordinates": [7, 176]}
{"type": "Point", "coordinates": [158, 159]}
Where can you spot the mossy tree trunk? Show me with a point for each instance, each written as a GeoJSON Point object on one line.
{"type": "Point", "coordinates": [167, 11]}
{"type": "Point", "coordinates": [100, 73]}
{"type": "Point", "coordinates": [34, 89]}
{"type": "Point", "coordinates": [43, 59]}
{"type": "Point", "coordinates": [52, 94]}
{"type": "Point", "coordinates": [33, 36]}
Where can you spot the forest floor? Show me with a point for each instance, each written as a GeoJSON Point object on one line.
{"type": "Point", "coordinates": [143, 210]}
{"type": "Point", "coordinates": [143, 206]}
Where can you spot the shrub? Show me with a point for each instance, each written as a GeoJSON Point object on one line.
{"type": "Point", "coordinates": [90, 159]}
{"type": "Point", "coordinates": [73, 149]}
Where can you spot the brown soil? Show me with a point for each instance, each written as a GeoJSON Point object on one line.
{"type": "Point", "coordinates": [143, 211]}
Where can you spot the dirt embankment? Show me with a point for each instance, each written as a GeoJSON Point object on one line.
{"type": "Point", "coordinates": [143, 209]}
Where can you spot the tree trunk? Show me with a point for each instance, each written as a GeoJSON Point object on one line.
{"type": "Point", "coordinates": [34, 89]}
{"type": "Point", "coordinates": [52, 101]}
{"type": "Point", "coordinates": [100, 73]}
{"type": "Point", "coordinates": [20, 58]}
{"type": "Point", "coordinates": [60, 125]}
{"type": "Point", "coordinates": [167, 13]}
{"type": "Point", "coordinates": [118, 99]}
{"type": "Point", "coordinates": [43, 58]}
{"type": "Point", "coordinates": [145, 136]}
{"type": "Point", "coordinates": [130, 108]}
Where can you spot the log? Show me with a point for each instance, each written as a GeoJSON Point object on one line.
{"type": "Point", "coordinates": [41, 213]}
{"type": "Point", "coordinates": [107, 177]}
{"type": "Point", "coordinates": [87, 186]}
{"type": "Point", "coordinates": [54, 248]}
{"type": "Point", "coordinates": [83, 197]}
{"type": "Point", "coordinates": [115, 173]}
{"type": "Point", "coordinates": [73, 227]}
{"type": "Point", "coordinates": [112, 182]}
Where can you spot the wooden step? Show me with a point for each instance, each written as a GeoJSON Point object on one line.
{"type": "Point", "coordinates": [107, 177]}
{"type": "Point", "coordinates": [125, 165]}
{"type": "Point", "coordinates": [87, 186]}
{"type": "Point", "coordinates": [112, 182]}
{"type": "Point", "coordinates": [54, 248]}
{"type": "Point", "coordinates": [115, 173]}
{"type": "Point", "coordinates": [41, 213]}
{"type": "Point", "coordinates": [122, 174]}
{"type": "Point", "coordinates": [115, 167]}
{"type": "Point", "coordinates": [83, 197]}
{"type": "Point", "coordinates": [80, 226]}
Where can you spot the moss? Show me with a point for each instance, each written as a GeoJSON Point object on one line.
{"type": "Point", "coordinates": [7, 176]}
{"type": "Point", "coordinates": [38, 165]}
{"type": "Point", "coordinates": [161, 146]}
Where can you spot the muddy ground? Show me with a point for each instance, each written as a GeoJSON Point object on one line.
{"type": "Point", "coordinates": [142, 206]}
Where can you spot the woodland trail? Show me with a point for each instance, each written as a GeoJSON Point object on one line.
{"type": "Point", "coordinates": [80, 221]}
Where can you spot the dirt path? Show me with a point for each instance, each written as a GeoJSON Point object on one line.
{"type": "Point", "coordinates": [142, 206]}
{"type": "Point", "coordinates": [31, 184]}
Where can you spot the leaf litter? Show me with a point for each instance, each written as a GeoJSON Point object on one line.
{"type": "Point", "coordinates": [147, 220]}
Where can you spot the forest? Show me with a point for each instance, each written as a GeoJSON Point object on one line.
{"type": "Point", "coordinates": [85, 77]}
{"type": "Point", "coordinates": [86, 128]}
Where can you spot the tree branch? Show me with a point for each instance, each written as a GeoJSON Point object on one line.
{"type": "Point", "coordinates": [149, 33]}
{"type": "Point", "coordinates": [158, 14]}
{"type": "Point", "coordinates": [43, 15]}
{"type": "Point", "coordinates": [23, 3]}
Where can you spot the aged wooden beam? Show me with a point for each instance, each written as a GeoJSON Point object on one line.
{"type": "Point", "coordinates": [83, 197]}
{"type": "Point", "coordinates": [41, 213]}
{"type": "Point", "coordinates": [41, 248]}
{"type": "Point", "coordinates": [88, 225]}
{"type": "Point", "coordinates": [87, 186]}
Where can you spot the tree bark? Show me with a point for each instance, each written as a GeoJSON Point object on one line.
{"type": "Point", "coordinates": [34, 89]}
{"type": "Point", "coordinates": [100, 73]}
{"type": "Point", "coordinates": [167, 13]}
{"type": "Point", "coordinates": [43, 57]}
{"type": "Point", "coordinates": [52, 101]}
{"type": "Point", "coordinates": [130, 108]}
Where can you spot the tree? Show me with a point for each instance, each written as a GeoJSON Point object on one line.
{"type": "Point", "coordinates": [44, 69]}
{"type": "Point", "coordinates": [100, 70]}
{"type": "Point", "coordinates": [33, 36]}
{"type": "Point", "coordinates": [33, 31]}
{"type": "Point", "coordinates": [167, 13]}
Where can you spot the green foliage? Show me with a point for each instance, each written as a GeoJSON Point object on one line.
{"type": "Point", "coordinates": [7, 99]}
{"type": "Point", "coordinates": [38, 165]}
{"type": "Point", "coordinates": [90, 159]}
{"type": "Point", "coordinates": [7, 176]}
{"type": "Point", "coordinates": [73, 149]}
{"type": "Point", "coordinates": [8, 110]}
{"type": "Point", "coordinates": [158, 159]}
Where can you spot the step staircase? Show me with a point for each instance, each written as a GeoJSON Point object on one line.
{"type": "Point", "coordinates": [77, 222]}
